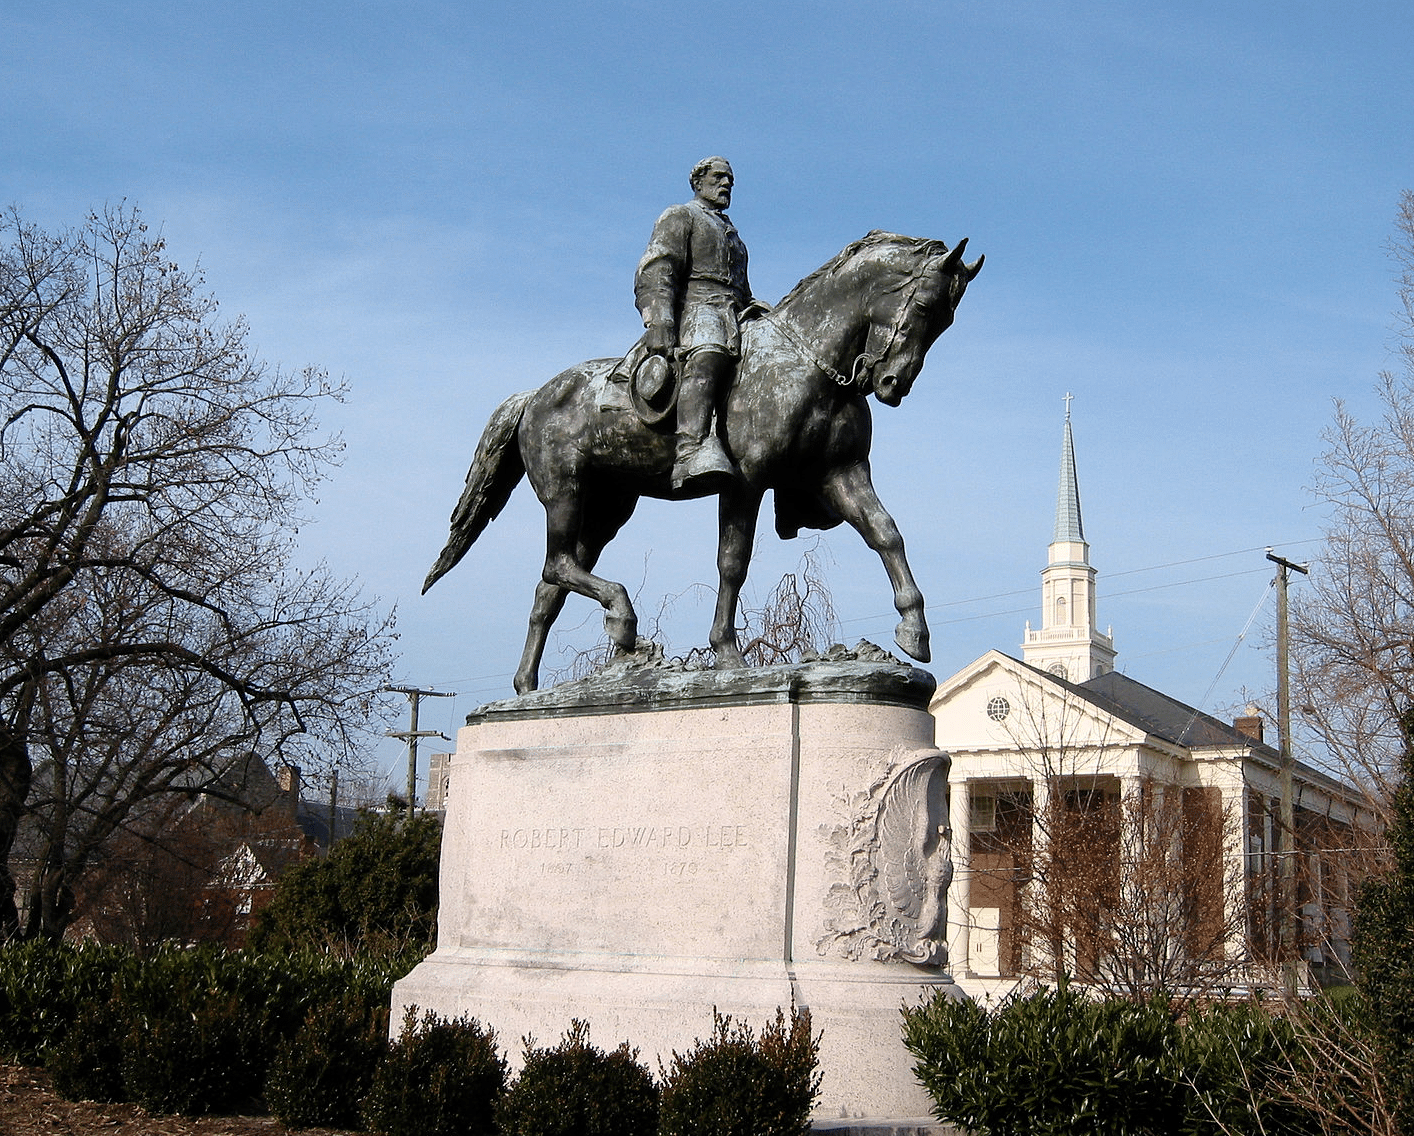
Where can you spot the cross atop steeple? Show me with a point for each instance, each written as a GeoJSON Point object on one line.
{"type": "Point", "coordinates": [1068, 397]}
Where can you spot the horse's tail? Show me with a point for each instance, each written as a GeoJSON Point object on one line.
{"type": "Point", "coordinates": [495, 471]}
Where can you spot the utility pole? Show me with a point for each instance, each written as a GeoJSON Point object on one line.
{"type": "Point", "coordinates": [1286, 835]}
{"type": "Point", "coordinates": [333, 806]}
{"type": "Point", "coordinates": [411, 734]}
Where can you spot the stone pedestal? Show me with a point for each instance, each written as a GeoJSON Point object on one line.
{"type": "Point", "coordinates": [641, 847]}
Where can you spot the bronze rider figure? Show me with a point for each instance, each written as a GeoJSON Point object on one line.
{"type": "Point", "coordinates": [692, 291]}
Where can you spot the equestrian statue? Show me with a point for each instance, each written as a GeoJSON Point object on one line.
{"type": "Point", "coordinates": [722, 395]}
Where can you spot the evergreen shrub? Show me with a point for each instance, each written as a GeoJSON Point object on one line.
{"type": "Point", "coordinates": [319, 1077]}
{"type": "Point", "coordinates": [112, 1025]}
{"type": "Point", "coordinates": [1058, 1061]}
{"type": "Point", "coordinates": [1384, 946]}
{"type": "Point", "coordinates": [375, 893]}
{"type": "Point", "coordinates": [193, 1056]}
{"type": "Point", "coordinates": [1235, 1060]}
{"type": "Point", "coordinates": [440, 1078]}
{"type": "Point", "coordinates": [204, 1024]}
{"type": "Point", "coordinates": [43, 987]}
{"type": "Point", "coordinates": [735, 1084]}
{"type": "Point", "coordinates": [576, 1089]}
{"type": "Point", "coordinates": [86, 1062]}
{"type": "Point", "coordinates": [1054, 1062]}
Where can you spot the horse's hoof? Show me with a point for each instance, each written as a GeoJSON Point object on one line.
{"type": "Point", "coordinates": [622, 631]}
{"type": "Point", "coordinates": [914, 643]}
{"type": "Point", "coordinates": [524, 684]}
{"type": "Point", "coordinates": [642, 649]}
{"type": "Point", "coordinates": [728, 659]}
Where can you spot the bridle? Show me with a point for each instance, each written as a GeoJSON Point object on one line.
{"type": "Point", "coordinates": [861, 375]}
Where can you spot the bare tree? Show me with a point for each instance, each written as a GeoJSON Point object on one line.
{"type": "Point", "coordinates": [155, 636]}
{"type": "Point", "coordinates": [1130, 892]}
{"type": "Point", "coordinates": [796, 619]}
{"type": "Point", "coordinates": [1353, 624]}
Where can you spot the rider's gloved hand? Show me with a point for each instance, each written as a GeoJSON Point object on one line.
{"type": "Point", "coordinates": [659, 338]}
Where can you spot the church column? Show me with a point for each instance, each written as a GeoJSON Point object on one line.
{"type": "Point", "coordinates": [1233, 805]}
{"type": "Point", "coordinates": [1135, 819]}
{"type": "Point", "coordinates": [960, 893]}
{"type": "Point", "coordinates": [1135, 812]}
{"type": "Point", "coordinates": [1040, 839]}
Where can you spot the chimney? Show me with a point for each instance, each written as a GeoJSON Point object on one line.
{"type": "Point", "coordinates": [288, 780]}
{"type": "Point", "coordinates": [1249, 724]}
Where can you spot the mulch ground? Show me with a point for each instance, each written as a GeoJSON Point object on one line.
{"type": "Point", "coordinates": [29, 1107]}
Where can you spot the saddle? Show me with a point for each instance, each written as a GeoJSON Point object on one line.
{"type": "Point", "coordinates": [647, 383]}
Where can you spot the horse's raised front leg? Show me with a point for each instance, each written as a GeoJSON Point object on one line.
{"type": "Point", "coordinates": [736, 529]}
{"type": "Point", "coordinates": [851, 492]}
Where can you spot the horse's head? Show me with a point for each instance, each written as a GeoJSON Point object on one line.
{"type": "Point", "coordinates": [909, 312]}
{"type": "Point", "coordinates": [867, 318]}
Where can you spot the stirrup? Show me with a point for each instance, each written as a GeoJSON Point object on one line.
{"type": "Point", "coordinates": [702, 467]}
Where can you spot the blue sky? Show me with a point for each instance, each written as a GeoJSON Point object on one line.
{"type": "Point", "coordinates": [1183, 208]}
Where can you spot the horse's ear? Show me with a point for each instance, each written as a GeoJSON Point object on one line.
{"type": "Point", "coordinates": [954, 258]}
{"type": "Point", "coordinates": [974, 268]}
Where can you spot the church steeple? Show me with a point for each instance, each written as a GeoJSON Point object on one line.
{"type": "Point", "coordinates": [1069, 526]}
{"type": "Point", "coordinates": [1068, 643]}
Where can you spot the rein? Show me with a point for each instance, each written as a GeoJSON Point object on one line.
{"type": "Point", "coordinates": [785, 327]}
{"type": "Point", "coordinates": [861, 374]}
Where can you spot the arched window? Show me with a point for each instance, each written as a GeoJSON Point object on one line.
{"type": "Point", "coordinates": [1060, 612]}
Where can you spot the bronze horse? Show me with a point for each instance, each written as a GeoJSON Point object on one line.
{"type": "Point", "coordinates": [795, 421]}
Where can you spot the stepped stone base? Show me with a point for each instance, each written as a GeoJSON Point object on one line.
{"type": "Point", "coordinates": [641, 848]}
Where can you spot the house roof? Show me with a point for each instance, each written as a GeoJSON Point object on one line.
{"type": "Point", "coordinates": [276, 853]}
{"type": "Point", "coordinates": [313, 819]}
{"type": "Point", "coordinates": [1163, 716]}
{"type": "Point", "coordinates": [1148, 711]}
{"type": "Point", "coordinates": [1170, 720]}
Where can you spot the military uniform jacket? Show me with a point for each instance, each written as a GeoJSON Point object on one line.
{"type": "Point", "coordinates": [693, 277]}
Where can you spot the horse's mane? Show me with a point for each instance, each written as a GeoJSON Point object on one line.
{"type": "Point", "coordinates": [876, 238]}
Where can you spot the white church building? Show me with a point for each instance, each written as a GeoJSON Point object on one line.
{"type": "Point", "coordinates": [1103, 828]}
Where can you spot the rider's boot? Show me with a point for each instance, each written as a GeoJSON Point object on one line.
{"type": "Point", "coordinates": [702, 466]}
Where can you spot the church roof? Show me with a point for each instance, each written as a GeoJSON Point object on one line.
{"type": "Point", "coordinates": [1161, 715]}
{"type": "Point", "coordinates": [1069, 526]}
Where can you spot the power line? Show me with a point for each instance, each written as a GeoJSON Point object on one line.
{"type": "Point", "coordinates": [494, 681]}
{"type": "Point", "coordinates": [1241, 635]}
{"type": "Point", "coordinates": [1214, 556]}
{"type": "Point", "coordinates": [1182, 583]}
{"type": "Point", "coordinates": [1031, 590]}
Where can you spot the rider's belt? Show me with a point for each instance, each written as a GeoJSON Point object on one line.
{"type": "Point", "coordinates": [733, 286]}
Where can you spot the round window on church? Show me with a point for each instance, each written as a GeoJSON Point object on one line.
{"type": "Point", "coordinates": [998, 708]}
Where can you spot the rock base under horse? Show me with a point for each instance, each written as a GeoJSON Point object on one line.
{"type": "Point", "coordinates": [638, 849]}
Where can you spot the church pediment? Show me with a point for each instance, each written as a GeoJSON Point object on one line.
{"type": "Point", "coordinates": [999, 703]}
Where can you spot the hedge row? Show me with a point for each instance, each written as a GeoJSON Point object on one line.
{"type": "Point", "coordinates": [207, 1031]}
{"type": "Point", "coordinates": [1058, 1062]}
{"type": "Point", "coordinates": [188, 1031]}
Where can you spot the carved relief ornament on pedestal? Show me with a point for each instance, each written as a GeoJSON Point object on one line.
{"type": "Point", "coordinates": [892, 862]}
